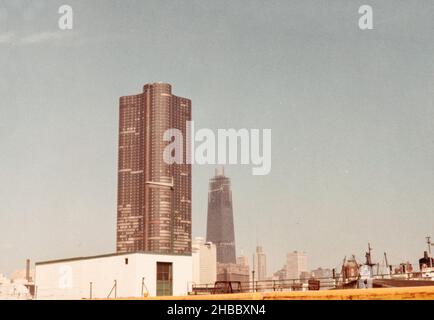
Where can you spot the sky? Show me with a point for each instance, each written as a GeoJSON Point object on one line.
{"type": "Point", "coordinates": [351, 114]}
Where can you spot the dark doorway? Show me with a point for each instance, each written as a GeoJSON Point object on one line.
{"type": "Point", "coordinates": [164, 279]}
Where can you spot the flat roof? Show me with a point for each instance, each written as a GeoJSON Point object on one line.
{"type": "Point", "coordinates": [111, 255]}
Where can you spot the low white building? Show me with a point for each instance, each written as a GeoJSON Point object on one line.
{"type": "Point", "coordinates": [114, 275]}
{"type": "Point", "coordinates": [204, 261]}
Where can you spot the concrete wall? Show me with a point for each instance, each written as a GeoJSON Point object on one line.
{"type": "Point", "coordinates": [70, 279]}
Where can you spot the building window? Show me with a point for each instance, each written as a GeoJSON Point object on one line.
{"type": "Point", "coordinates": [164, 279]}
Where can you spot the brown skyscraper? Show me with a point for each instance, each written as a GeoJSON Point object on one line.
{"type": "Point", "coordinates": [154, 198]}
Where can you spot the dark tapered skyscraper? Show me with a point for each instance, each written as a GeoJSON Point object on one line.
{"type": "Point", "coordinates": [154, 198]}
{"type": "Point", "coordinates": [220, 224]}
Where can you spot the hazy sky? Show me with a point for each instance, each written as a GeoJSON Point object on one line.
{"type": "Point", "coordinates": [351, 114]}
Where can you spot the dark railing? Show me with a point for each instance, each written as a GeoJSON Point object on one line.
{"type": "Point", "coordinates": [271, 285]}
{"type": "Point", "coordinates": [326, 283]}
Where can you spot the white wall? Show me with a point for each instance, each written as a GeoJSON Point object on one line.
{"type": "Point", "coordinates": [71, 279]}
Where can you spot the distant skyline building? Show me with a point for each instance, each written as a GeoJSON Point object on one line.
{"type": "Point", "coordinates": [220, 221]}
{"type": "Point", "coordinates": [154, 198]}
{"type": "Point", "coordinates": [260, 264]}
{"type": "Point", "coordinates": [244, 261]}
{"type": "Point", "coordinates": [280, 274]}
{"type": "Point", "coordinates": [296, 264]}
{"type": "Point", "coordinates": [322, 273]}
{"type": "Point", "coordinates": [204, 261]}
{"type": "Point", "coordinates": [325, 276]}
{"type": "Point", "coordinates": [233, 272]}
{"type": "Point", "coordinates": [15, 289]}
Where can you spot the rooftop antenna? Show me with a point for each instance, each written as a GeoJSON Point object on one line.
{"type": "Point", "coordinates": [256, 234]}
{"type": "Point", "coordinates": [368, 256]}
{"type": "Point", "coordinates": [428, 241]}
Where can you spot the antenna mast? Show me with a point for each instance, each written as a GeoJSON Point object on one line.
{"type": "Point", "coordinates": [368, 256]}
{"type": "Point", "coordinates": [428, 241]}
